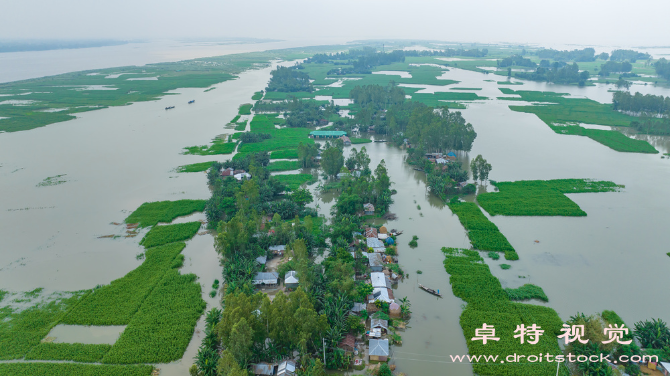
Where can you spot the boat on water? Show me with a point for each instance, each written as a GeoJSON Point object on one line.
{"type": "Point", "coordinates": [191, 101]}
{"type": "Point", "coordinates": [430, 291]}
{"type": "Point", "coordinates": [169, 107]}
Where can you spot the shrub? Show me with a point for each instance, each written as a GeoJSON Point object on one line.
{"type": "Point", "coordinates": [505, 266]}
{"type": "Point", "coordinates": [527, 291]}
{"type": "Point", "coordinates": [494, 255]}
{"type": "Point", "coordinates": [51, 369]}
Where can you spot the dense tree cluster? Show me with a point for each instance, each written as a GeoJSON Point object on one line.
{"type": "Point", "coordinates": [628, 55]}
{"type": "Point", "coordinates": [308, 113]}
{"type": "Point", "coordinates": [480, 168]}
{"type": "Point", "coordinates": [289, 79]}
{"type": "Point", "coordinates": [374, 188]}
{"type": "Point", "coordinates": [250, 137]}
{"type": "Point", "coordinates": [615, 67]}
{"type": "Point", "coordinates": [568, 74]}
{"type": "Point", "coordinates": [662, 67]}
{"type": "Point", "coordinates": [586, 54]}
{"type": "Point", "coordinates": [307, 153]}
{"type": "Point", "coordinates": [652, 125]}
{"type": "Point", "coordinates": [624, 101]}
{"type": "Point", "coordinates": [516, 60]}
{"type": "Point", "coordinates": [356, 54]}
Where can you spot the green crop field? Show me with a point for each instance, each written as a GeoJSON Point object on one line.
{"type": "Point", "coordinates": [160, 235]}
{"type": "Point", "coordinates": [164, 325]}
{"type": "Point", "coordinates": [257, 96]}
{"type": "Point", "coordinates": [218, 146]}
{"type": "Point", "coordinates": [540, 197]}
{"type": "Point", "coordinates": [438, 99]}
{"type": "Point", "coordinates": [355, 140]}
{"type": "Point", "coordinates": [284, 154]}
{"type": "Point", "coordinates": [527, 292]}
{"type": "Point", "coordinates": [245, 109]}
{"type": "Point", "coordinates": [484, 234]}
{"type": "Point", "coordinates": [116, 303]}
{"type": "Point", "coordinates": [285, 138]}
{"type": "Point", "coordinates": [563, 113]}
{"type": "Point", "coordinates": [294, 181]}
{"type": "Point", "coordinates": [77, 352]}
{"type": "Point", "coordinates": [195, 167]}
{"type": "Point", "coordinates": [53, 369]}
{"type": "Point", "coordinates": [21, 330]}
{"type": "Point", "coordinates": [283, 166]}
{"type": "Point", "coordinates": [487, 302]}
{"type": "Point", "coordinates": [150, 213]}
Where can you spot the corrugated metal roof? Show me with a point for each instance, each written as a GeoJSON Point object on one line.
{"type": "Point", "coordinates": [263, 369]}
{"type": "Point", "coordinates": [375, 243]}
{"type": "Point", "coordinates": [378, 279]}
{"type": "Point", "coordinates": [379, 347]}
{"type": "Point", "coordinates": [379, 323]}
{"type": "Point", "coordinates": [328, 133]}
{"type": "Point", "coordinates": [291, 277]}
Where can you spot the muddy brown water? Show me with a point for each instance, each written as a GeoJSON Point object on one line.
{"type": "Point", "coordinates": [117, 158]}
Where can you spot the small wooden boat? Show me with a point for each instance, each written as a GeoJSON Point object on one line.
{"type": "Point", "coordinates": [430, 291]}
{"type": "Point", "coordinates": [191, 101]}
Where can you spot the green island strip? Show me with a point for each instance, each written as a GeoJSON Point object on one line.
{"type": "Point", "coordinates": [356, 140]}
{"type": "Point", "coordinates": [235, 119]}
{"type": "Point", "coordinates": [245, 109]}
{"type": "Point", "coordinates": [283, 166]}
{"type": "Point", "coordinates": [76, 92]}
{"type": "Point", "coordinates": [540, 197]}
{"type": "Point", "coordinates": [257, 96]}
{"type": "Point", "coordinates": [150, 213]}
{"type": "Point", "coordinates": [161, 235]}
{"type": "Point", "coordinates": [51, 369]}
{"type": "Point", "coordinates": [21, 330]}
{"type": "Point", "coordinates": [465, 88]}
{"type": "Point", "coordinates": [78, 352]}
{"type": "Point", "coordinates": [527, 292]}
{"type": "Point", "coordinates": [562, 114]}
{"type": "Point", "coordinates": [219, 146]}
{"type": "Point", "coordinates": [240, 126]}
{"type": "Point", "coordinates": [439, 99]}
{"type": "Point", "coordinates": [294, 181]}
{"type": "Point", "coordinates": [487, 302]}
{"type": "Point", "coordinates": [118, 302]}
{"type": "Point", "coordinates": [195, 167]}
{"type": "Point", "coordinates": [483, 234]}
{"type": "Point", "coordinates": [509, 83]}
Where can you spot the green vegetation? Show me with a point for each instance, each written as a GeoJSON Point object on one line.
{"type": "Point", "coordinates": [494, 255]}
{"type": "Point", "coordinates": [465, 88]}
{"type": "Point", "coordinates": [563, 113]}
{"type": "Point", "coordinates": [195, 167]}
{"type": "Point", "coordinates": [257, 96]}
{"type": "Point", "coordinates": [413, 243]}
{"type": "Point", "coordinates": [150, 213]}
{"type": "Point", "coordinates": [77, 352]}
{"type": "Point", "coordinates": [51, 369]}
{"type": "Point", "coordinates": [526, 292]}
{"type": "Point", "coordinates": [160, 235]}
{"type": "Point", "coordinates": [510, 83]}
{"type": "Point", "coordinates": [118, 302]}
{"type": "Point", "coordinates": [438, 99]}
{"type": "Point", "coordinates": [245, 109]}
{"type": "Point", "coordinates": [281, 139]}
{"type": "Point", "coordinates": [284, 154]}
{"type": "Point", "coordinates": [540, 197]}
{"type": "Point", "coordinates": [294, 181]}
{"type": "Point", "coordinates": [20, 330]}
{"type": "Point", "coordinates": [355, 140]}
{"type": "Point", "coordinates": [484, 234]}
{"type": "Point", "coordinates": [289, 80]}
{"type": "Point", "coordinates": [219, 146]}
{"type": "Point", "coordinates": [164, 324]}
{"type": "Point", "coordinates": [52, 180]}
{"type": "Point", "coordinates": [283, 166]}
{"type": "Point", "coordinates": [505, 266]}
{"type": "Point", "coordinates": [487, 302]}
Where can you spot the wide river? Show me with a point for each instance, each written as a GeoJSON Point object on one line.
{"type": "Point", "coordinates": [117, 158]}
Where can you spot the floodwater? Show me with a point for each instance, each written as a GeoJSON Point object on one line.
{"type": "Point", "coordinates": [117, 158]}
{"type": "Point", "coordinates": [86, 334]}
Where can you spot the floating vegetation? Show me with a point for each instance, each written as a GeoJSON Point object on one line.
{"type": "Point", "coordinates": [541, 197]}
{"type": "Point", "coordinates": [419, 272]}
{"type": "Point", "coordinates": [160, 235]}
{"type": "Point", "coordinates": [505, 266]}
{"type": "Point", "coordinates": [52, 180]}
{"type": "Point", "coordinates": [245, 109]}
{"type": "Point", "coordinates": [527, 292]}
{"type": "Point", "coordinates": [150, 213]}
{"type": "Point", "coordinates": [484, 234]}
{"type": "Point", "coordinates": [219, 146]}
{"type": "Point", "coordinates": [257, 96]}
{"type": "Point", "coordinates": [210, 89]}
{"type": "Point", "coordinates": [139, 256]}
{"type": "Point", "coordinates": [494, 255]}
{"type": "Point", "coordinates": [35, 208]}
{"type": "Point", "coordinates": [413, 243]}
{"type": "Point", "coordinates": [418, 207]}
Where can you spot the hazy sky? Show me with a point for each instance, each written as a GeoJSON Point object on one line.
{"type": "Point", "coordinates": [612, 22]}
